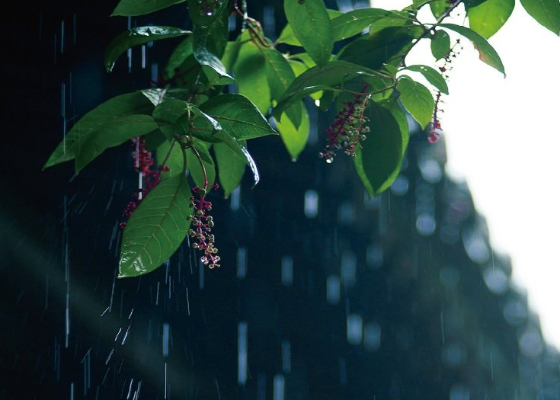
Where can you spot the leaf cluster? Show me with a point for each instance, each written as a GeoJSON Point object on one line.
{"type": "Point", "coordinates": [220, 90]}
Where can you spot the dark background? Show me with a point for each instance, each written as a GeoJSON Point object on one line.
{"type": "Point", "coordinates": [397, 297]}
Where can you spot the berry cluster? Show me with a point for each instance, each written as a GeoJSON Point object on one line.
{"type": "Point", "coordinates": [202, 226]}
{"type": "Point", "coordinates": [348, 129]}
{"type": "Point", "coordinates": [434, 130]}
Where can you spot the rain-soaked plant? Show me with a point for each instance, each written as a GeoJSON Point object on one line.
{"type": "Point", "coordinates": [193, 122]}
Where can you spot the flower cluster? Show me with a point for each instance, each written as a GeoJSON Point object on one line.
{"type": "Point", "coordinates": [434, 130]}
{"type": "Point", "coordinates": [348, 129]}
{"type": "Point", "coordinates": [143, 162]}
{"type": "Point", "coordinates": [202, 226]}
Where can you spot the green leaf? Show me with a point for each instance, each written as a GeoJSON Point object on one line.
{"type": "Point", "coordinates": [171, 152]}
{"type": "Point", "coordinates": [354, 22]}
{"type": "Point", "coordinates": [131, 8]}
{"type": "Point", "coordinates": [487, 53]}
{"type": "Point", "coordinates": [382, 48]}
{"type": "Point", "coordinates": [194, 167]}
{"type": "Point", "coordinates": [294, 138]}
{"type": "Point", "coordinates": [212, 67]}
{"type": "Point", "coordinates": [440, 44]}
{"type": "Point", "coordinates": [204, 13]}
{"type": "Point", "coordinates": [312, 26]}
{"type": "Point", "coordinates": [198, 124]}
{"type": "Point", "coordinates": [545, 12]}
{"type": "Point", "coordinates": [157, 228]}
{"type": "Point", "coordinates": [417, 99]}
{"type": "Point", "coordinates": [136, 37]}
{"type": "Point", "coordinates": [438, 8]}
{"type": "Point", "coordinates": [280, 76]}
{"type": "Point", "coordinates": [288, 36]}
{"type": "Point", "coordinates": [112, 135]}
{"type": "Point", "coordinates": [331, 77]}
{"type": "Point", "coordinates": [237, 116]}
{"type": "Point", "coordinates": [104, 116]}
{"type": "Point", "coordinates": [487, 18]}
{"type": "Point", "coordinates": [379, 158]}
{"type": "Point", "coordinates": [431, 76]}
{"type": "Point", "coordinates": [230, 168]}
{"type": "Point", "coordinates": [213, 37]}
{"type": "Point", "coordinates": [250, 75]}
{"type": "Point", "coordinates": [180, 54]}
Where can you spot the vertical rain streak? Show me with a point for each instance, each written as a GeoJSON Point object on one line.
{"type": "Point", "coordinates": [278, 387]}
{"type": "Point", "coordinates": [66, 257]}
{"type": "Point", "coordinates": [242, 353]}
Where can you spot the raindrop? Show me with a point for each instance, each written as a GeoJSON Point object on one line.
{"type": "Point", "coordinates": [287, 271]}
{"type": "Point", "coordinates": [476, 247]}
{"type": "Point", "coordinates": [165, 340]}
{"type": "Point", "coordinates": [241, 262]}
{"type": "Point", "coordinates": [354, 329]}
{"type": "Point", "coordinates": [425, 224]}
{"type": "Point", "coordinates": [234, 199]}
{"type": "Point", "coordinates": [143, 56]}
{"type": "Point", "coordinates": [333, 289]}
{"type": "Point", "coordinates": [430, 170]}
{"type": "Point", "coordinates": [242, 353]}
{"type": "Point", "coordinates": [531, 344]}
{"type": "Point", "coordinates": [496, 280]}
{"type": "Point", "coordinates": [278, 387]}
{"type": "Point", "coordinates": [155, 72]}
{"type": "Point", "coordinates": [400, 186]}
{"type": "Point", "coordinates": [311, 203]}
{"type": "Point", "coordinates": [286, 357]}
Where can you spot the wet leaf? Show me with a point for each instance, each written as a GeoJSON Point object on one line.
{"type": "Point", "coordinates": [250, 74]}
{"type": "Point", "coordinates": [332, 76]}
{"type": "Point", "coordinates": [382, 48]}
{"type": "Point", "coordinates": [112, 135]}
{"type": "Point", "coordinates": [157, 228]}
{"type": "Point", "coordinates": [294, 138]}
{"type": "Point", "coordinates": [212, 67]}
{"type": "Point", "coordinates": [440, 44]}
{"type": "Point", "coordinates": [230, 168]}
{"type": "Point", "coordinates": [431, 75]}
{"type": "Point", "coordinates": [288, 36]}
{"type": "Point", "coordinates": [354, 22]}
{"type": "Point", "coordinates": [439, 7]}
{"type": "Point", "coordinates": [417, 99]}
{"type": "Point", "coordinates": [108, 115]}
{"type": "Point", "coordinates": [487, 18]}
{"type": "Point", "coordinates": [312, 26]}
{"type": "Point", "coordinates": [204, 13]}
{"type": "Point", "coordinates": [238, 116]}
{"type": "Point", "coordinates": [379, 159]}
{"type": "Point", "coordinates": [487, 53]}
{"type": "Point", "coordinates": [545, 12]}
{"type": "Point", "coordinates": [131, 8]}
{"type": "Point", "coordinates": [136, 37]}
{"type": "Point", "coordinates": [280, 76]}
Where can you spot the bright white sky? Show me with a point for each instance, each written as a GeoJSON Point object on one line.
{"type": "Point", "coordinates": [502, 137]}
